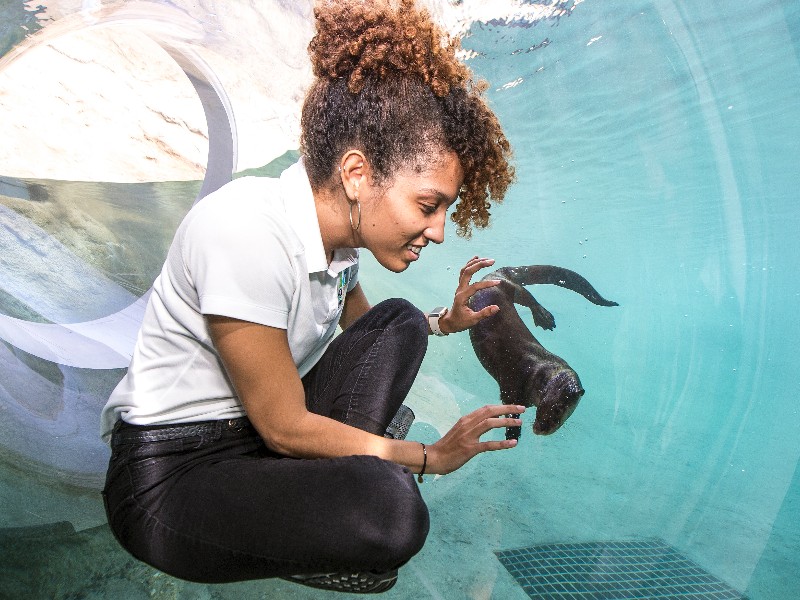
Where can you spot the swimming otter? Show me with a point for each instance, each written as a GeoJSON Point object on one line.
{"type": "Point", "coordinates": [526, 372]}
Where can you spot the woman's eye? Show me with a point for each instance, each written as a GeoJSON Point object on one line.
{"type": "Point", "coordinates": [428, 209]}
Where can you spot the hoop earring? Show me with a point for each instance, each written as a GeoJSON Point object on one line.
{"type": "Point", "coordinates": [358, 224]}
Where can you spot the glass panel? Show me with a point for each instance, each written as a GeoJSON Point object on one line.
{"type": "Point", "coordinates": [655, 146]}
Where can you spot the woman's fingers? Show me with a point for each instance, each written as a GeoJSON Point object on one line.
{"type": "Point", "coordinates": [482, 285]}
{"type": "Point", "coordinates": [496, 410]}
{"type": "Point", "coordinates": [462, 442]}
{"type": "Point", "coordinates": [474, 265]}
{"type": "Point", "coordinates": [492, 416]}
{"type": "Point", "coordinates": [498, 422]}
{"type": "Point", "coordinates": [496, 445]}
{"type": "Point", "coordinates": [465, 288]}
{"type": "Point", "coordinates": [495, 423]}
{"type": "Point", "coordinates": [461, 316]}
{"type": "Point", "coordinates": [467, 291]}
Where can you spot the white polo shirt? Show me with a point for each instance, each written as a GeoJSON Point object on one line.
{"type": "Point", "coordinates": [252, 251]}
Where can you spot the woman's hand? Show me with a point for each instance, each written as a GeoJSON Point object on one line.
{"type": "Point", "coordinates": [462, 442]}
{"type": "Point", "coordinates": [461, 316]}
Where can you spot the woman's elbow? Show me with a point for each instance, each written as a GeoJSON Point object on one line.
{"type": "Point", "coordinates": [285, 439]}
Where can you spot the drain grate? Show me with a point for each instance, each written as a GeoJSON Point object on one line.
{"type": "Point", "coordinates": [612, 571]}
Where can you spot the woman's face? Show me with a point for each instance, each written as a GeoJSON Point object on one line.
{"type": "Point", "coordinates": [398, 221]}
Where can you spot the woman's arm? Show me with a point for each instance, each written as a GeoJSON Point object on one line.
{"type": "Point", "coordinates": [260, 365]}
{"type": "Point", "coordinates": [355, 305]}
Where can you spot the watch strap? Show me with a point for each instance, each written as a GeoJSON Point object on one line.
{"type": "Point", "coordinates": [433, 320]}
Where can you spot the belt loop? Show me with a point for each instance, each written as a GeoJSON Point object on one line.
{"type": "Point", "coordinates": [216, 431]}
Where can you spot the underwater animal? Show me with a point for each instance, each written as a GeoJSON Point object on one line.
{"type": "Point", "coordinates": [527, 373]}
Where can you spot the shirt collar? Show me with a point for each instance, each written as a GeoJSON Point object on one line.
{"type": "Point", "coordinates": [298, 201]}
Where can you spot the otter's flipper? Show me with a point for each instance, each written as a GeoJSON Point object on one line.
{"type": "Point", "coordinates": [541, 316]}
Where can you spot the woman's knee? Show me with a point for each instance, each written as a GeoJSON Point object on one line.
{"type": "Point", "coordinates": [407, 329]}
{"type": "Point", "coordinates": [399, 312]}
{"type": "Point", "coordinates": [398, 520]}
{"type": "Point", "coordinates": [408, 541]}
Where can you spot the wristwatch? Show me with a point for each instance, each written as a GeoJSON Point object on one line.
{"type": "Point", "coordinates": [433, 320]}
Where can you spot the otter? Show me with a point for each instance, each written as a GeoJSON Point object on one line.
{"type": "Point", "coordinates": [527, 373]}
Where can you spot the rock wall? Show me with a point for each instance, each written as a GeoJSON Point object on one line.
{"type": "Point", "coordinates": [109, 104]}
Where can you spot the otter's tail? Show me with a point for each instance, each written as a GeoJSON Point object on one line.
{"type": "Point", "coordinates": [537, 274]}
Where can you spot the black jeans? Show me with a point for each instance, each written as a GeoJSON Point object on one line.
{"type": "Point", "coordinates": [209, 502]}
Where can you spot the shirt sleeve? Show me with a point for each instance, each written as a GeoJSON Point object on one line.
{"type": "Point", "coordinates": [243, 263]}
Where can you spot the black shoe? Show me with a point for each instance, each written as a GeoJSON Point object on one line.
{"type": "Point", "coordinates": [401, 423]}
{"type": "Point", "coordinates": [354, 583]}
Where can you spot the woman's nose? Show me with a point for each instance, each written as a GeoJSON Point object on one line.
{"type": "Point", "coordinates": [435, 231]}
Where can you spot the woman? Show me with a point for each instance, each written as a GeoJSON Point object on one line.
{"type": "Point", "coordinates": [247, 441]}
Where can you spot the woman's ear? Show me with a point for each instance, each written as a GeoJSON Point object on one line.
{"type": "Point", "coordinates": [353, 170]}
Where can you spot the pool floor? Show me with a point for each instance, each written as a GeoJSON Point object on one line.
{"type": "Point", "coordinates": [606, 570]}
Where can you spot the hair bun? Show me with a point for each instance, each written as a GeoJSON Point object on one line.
{"type": "Point", "coordinates": [358, 40]}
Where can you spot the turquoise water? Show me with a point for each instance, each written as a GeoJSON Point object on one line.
{"type": "Point", "coordinates": [656, 155]}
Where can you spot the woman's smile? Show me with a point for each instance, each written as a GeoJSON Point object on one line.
{"type": "Point", "coordinates": [415, 250]}
{"type": "Point", "coordinates": [413, 208]}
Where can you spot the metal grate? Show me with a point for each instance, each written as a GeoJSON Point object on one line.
{"type": "Point", "coordinates": [612, 571]}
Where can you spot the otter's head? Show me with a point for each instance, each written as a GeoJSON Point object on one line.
{"type": "Point", "coordinates": [557, 400]}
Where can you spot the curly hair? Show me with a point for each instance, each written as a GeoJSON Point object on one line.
{"type": "Point", "coordinates": [387, 81]}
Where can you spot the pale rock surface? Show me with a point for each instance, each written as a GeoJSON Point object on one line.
{"type": "Point", "coordinates": [109, 104]}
